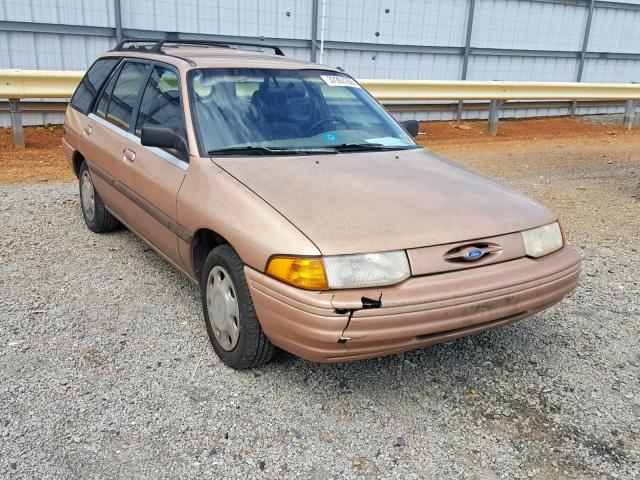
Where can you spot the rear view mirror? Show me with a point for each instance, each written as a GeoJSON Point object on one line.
{"type": "Point", "coordinates": [164, 137]}
{"type": "Point", "coordinates": [411, 126]}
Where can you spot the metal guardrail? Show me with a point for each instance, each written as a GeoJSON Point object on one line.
{"type": "Point", "coordinates": [18, 84]}
{"type": "Point", "coordinates": [29, 84]}
{"type": "Point", "coordinates": [470, 90]}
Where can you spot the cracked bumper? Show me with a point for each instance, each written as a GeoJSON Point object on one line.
{"type": "Point", "coordinates": [419, 312]}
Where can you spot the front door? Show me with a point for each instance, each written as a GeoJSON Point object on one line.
{"type": "Point", "coordinates": [156, 174]}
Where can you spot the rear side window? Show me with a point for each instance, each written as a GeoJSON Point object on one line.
{"type": "Point", "coordinates": [160, 103]}
{"type": "Point", "coordinates": [125, 94]}
{"type": "Point", "coordinates": [91, 83]}
{"type": "Point", "coordinates": [103, 102]}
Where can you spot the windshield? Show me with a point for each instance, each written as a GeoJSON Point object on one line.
{"type": "Point", "coordinates": [275, 112]}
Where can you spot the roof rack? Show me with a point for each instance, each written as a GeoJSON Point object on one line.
{"type": "Point", "coordinates": [157, 45]}
{"type": "Point", "coordinates": [131, 44]}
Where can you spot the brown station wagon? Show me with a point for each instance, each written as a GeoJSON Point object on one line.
{"type": "Point", "coordinates": [309, 217]}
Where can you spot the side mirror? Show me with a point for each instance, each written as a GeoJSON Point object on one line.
{"type": "Point", "coordinates": [411, 126]}
{"type": "Point", "coordinates": [164, 137]}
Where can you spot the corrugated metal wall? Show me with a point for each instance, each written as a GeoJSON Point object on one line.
{"type": "Point", "coordinates": [405, 39]}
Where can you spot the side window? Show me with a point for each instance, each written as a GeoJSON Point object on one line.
{"type": "Point", "coordinates": [103, 101]}
{"type": "Point", "coordinates": [92, 83]}
{"type": "Point", "coordinates": [160, 103]}
{"type": "Point", "coordinates": [125, 94]}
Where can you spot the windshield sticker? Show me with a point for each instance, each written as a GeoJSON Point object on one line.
{"type": "Point", "coordinates": [339, 81]}
{"type": "Point", "coordinates": [331, 137]}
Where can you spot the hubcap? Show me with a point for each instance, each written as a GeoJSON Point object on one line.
{"type": "Point", "coordinates": [222, 305]}
{"type": "Point", "coordinates": [87, 196]}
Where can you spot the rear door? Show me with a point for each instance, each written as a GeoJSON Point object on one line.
{"type": "Point", "coordinates": [107, 129]}
{"type": "Point", "coordinates": [154, 175]}
{"type": "Point", "coordinates": [78, 125]}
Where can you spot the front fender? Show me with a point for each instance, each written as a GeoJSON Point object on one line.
{"type": "Point", "coordinates": [213, 199]}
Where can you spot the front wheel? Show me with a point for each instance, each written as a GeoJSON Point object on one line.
{"type": "Point", "coordinates": [232, 323]}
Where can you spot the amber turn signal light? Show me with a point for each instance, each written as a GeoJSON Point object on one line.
{"type": "Point", "coordinates": [307, 273]}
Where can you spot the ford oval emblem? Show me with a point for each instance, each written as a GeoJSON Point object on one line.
{"type": "Point", "coordinates": [474, 254]}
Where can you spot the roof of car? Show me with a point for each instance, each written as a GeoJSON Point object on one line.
{"type": "Point", "coordinates": [218, 56]}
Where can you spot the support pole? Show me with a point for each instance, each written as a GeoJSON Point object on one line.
{"type": "Point", "coordinates": [118, 20]}
{"type": "Point", "coordinates": [16, 123]}
{"type": "Point", "coordinates": [314, 31]}
{"type": "Point", "coordinates": [494, 116]}
{"type": "Point", "coordinates": [629, 113]}
{"type": "Point", "coordinates": [583, 53]}
{"type": "Point", "coordinates": [324, 5]}
{"type": "Point", "coordinates": [467, 51]}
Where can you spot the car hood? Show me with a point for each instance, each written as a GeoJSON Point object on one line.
{"type": "Point", "coordinates": [378, 201]}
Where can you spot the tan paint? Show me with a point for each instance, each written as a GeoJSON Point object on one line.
{"type": "Point", "coordinates": [158, 182]}
{"type": "Point", "coordinates": [414, 313]}
{"type": "Point", "coordinates": [381, 201]}
{"type": "Point", "coordinates": [103, 147]}
{"type": "Point", "coordinates": [429, 260]}
{"type": "Point", "coordinates": [334, 204]}
{"type": "Point", "coordinates": [210, 198]}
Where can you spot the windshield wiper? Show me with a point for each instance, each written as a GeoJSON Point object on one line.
{"type": "Point", "coordinates": [259, 150]}
{"type": "Point", "coordinates": [365, 147]}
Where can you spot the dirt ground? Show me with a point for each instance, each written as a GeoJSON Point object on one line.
{"type": "Point", "coordinates": [41, 161]}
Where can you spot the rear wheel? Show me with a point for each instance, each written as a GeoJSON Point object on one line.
{"type": "Point", "coordinates": [232, 324]}
{"type": "Point", "coordinates": [95, 213]}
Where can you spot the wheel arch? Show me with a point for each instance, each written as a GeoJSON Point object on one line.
{"type": "Point", "coordinates": [202, 242]}
{"type": "Point", "coordinates": [76, 162]}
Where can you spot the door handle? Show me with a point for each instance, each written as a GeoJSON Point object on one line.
{"type": "Point", "coordinates": [129, 155]}
{"type": "Point", "coordinates": [87, 130]}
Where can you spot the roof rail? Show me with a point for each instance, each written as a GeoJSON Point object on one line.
{"type": "Point", "coordinates": [120, 47]}
{"type": "Point", "coordinates": [158, 44]}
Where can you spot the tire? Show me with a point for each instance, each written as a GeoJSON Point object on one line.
{"type": "Point", "coordinates": [94, 211]}
{"type": "Point", "coordinates": [239, 342]}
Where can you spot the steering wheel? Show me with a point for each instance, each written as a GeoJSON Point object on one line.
{"type": "Point", "coordinates": [322, 121]}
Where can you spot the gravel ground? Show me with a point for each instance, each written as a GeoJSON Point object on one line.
{"type": "Point", "coordinates": [106, 371]}
{"type": "Point", "coordinates": [603, 119]}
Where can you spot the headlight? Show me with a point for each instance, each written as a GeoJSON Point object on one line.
{"type": "Point", "coordinates": [543, 240]}
{"type": "Point", "coordinates": [366, 270]}
{"type": "Point", "coordinates": [341, 271]}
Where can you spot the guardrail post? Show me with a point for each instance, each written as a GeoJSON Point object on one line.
{"type": "Point", "coordinates": [16, 122]}
{"type": "Point", "coordinates": [629, 113]}
{"type": "Point", "coordinates": [494, 116]}
{"type": "Point", "coordinates": [572, 109]}
{"type": "Point", "coordinates": [459, 111]}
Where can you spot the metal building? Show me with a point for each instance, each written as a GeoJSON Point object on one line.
{"type": "Point", "coordinates": [539, 40]}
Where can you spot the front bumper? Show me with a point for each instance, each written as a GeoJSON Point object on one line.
{"type": "Point", "coordinates": [419, 312]}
